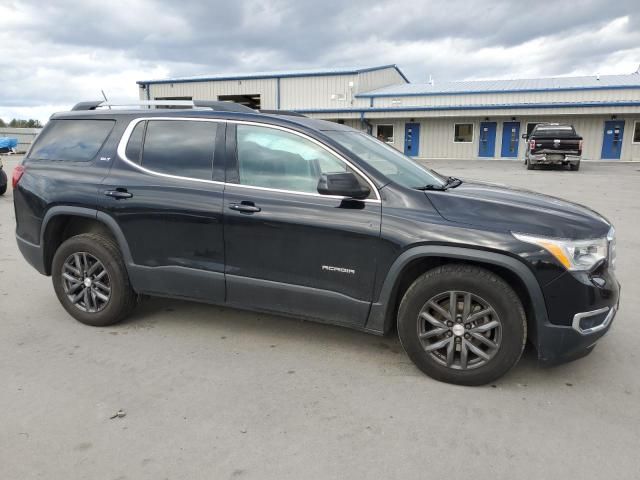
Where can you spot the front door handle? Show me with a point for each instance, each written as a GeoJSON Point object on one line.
{"type": "Point", "coordinates": [245, 207]}
{"type": "Point", "coordinates": [118, 194]}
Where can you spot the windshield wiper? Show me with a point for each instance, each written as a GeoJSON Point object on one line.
{"type": "Point", "coordinates": [450, 182]}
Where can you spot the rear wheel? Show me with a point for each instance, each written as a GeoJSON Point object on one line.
{"type": "Point", "coordinates": [462, 324]}
{"type": "Point", "coordinates": [91, 281]}
{"type": "Point", "coordinates": [3, 182]}
{"type": "Point", "coordinates": [529, 165]}
{"type": "Point", "coordinates": [574, 166]}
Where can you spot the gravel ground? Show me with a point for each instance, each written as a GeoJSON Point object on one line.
{"type": "Point", "coordinates": [210, 392]}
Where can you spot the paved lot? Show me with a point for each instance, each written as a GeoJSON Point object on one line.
{"type": "Point", "coordinates": [214, 393]}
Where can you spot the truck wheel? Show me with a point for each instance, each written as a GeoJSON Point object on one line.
{"type": "Point", "coordinates": [462, 324]}
{"type": "Point", "coordinates": [91, 281]}
{"type": "Point", "coordinates": [529, 165]}
{"type": "Point", "coordinates": [574, 166]}
{"type": "Point", "coordinates": [3, 182]}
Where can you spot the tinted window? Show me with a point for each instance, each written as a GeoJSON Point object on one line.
{"type": "Point", "coordinates": [271, 158]}
{"type": "Point", "coordinates": [553, 130]}
{"type": "Point", "coordinates": [387, 160]}
{"type": "Point", "coordinates": [463, 132]}
{"type": "Point", "coordinates": [180, 147]}
{"type": "Point", "coordinates": [134, 146]}
{"type": "Point", "coordinates": [71, 140]}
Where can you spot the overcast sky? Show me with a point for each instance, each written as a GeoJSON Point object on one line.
{"type": "Point", "coordinates": [54, 53]}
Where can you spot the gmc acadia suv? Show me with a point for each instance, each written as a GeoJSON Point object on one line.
{"type": "Point", "coordinates": [281, 213]}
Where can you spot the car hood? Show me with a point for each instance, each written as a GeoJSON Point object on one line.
{"type": "Point", "coordinates": [499, 207]}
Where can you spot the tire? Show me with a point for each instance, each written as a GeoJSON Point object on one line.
{"type": "Point", "coordinates": [420, 338]}
{"type": "Point", "coordinates": [574, 167]}
{"type": "Point", "coordinates": [94, 254]}
{"type": "Point", "coordinates": [529, 165]}
{"type": "Point", "coordinates": [3, 182]}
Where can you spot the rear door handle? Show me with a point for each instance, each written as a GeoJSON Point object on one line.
{"type": "Point", "coordinates": [118, 194]}
{"type": "Point", "coordinates": [245, 207]}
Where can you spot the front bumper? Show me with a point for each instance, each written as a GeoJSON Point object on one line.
{"type": "Point", "coordinates": [581, 308]}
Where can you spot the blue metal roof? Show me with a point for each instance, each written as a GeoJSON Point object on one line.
{"type": "Point", "coordinates": [316, 72]}
{"type": "Point", "coordinates": [508, 86]}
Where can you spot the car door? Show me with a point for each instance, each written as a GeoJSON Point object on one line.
{"type": "Point", "coordinates": [289, 249]}
{"type": "Point", "coordinates": [162, 194]}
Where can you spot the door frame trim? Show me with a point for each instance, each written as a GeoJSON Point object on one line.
{"type": "Point", "coordinates": [122, 145]}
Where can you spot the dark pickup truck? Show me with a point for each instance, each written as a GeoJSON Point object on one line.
{"type": "Point", "coordinates": [553, 144]}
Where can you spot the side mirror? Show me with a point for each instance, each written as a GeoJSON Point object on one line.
{"type": "Point", "coordinates": [525, 136]}
{"type": "Point", "coordinates": [343, 184]}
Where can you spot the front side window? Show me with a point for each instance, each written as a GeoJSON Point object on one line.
{"type": "Point", "coordinates": [386, 159]}
{"type": "Point", "coordinates": [463, 133]}
{"type": "Point", "coordinates": [71, 140]}
{"type": "Point", "coordinates": [272, 158]}
{"type": "Point", "coordinates": [180, 147]}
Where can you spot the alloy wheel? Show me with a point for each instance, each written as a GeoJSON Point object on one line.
{"type": "Point", "coordinates": [459, 330]}
{"type": "Point", "coordinates": [86, 282]}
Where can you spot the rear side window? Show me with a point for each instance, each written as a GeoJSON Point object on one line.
{"type": "Point", "coordinates": [71, 140]}
{"type": "Point", "coordinates": [134, 146]}
{"type": "Point", "coordinates": [180, 147]}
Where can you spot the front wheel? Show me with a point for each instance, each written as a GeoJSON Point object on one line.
{"type": "Point", "coordinates": [462, 324]}
{"type": "Point", "coordinates": [91, 281]}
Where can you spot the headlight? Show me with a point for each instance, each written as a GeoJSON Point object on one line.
{"type": "Point", "coordinates": [573, 254]}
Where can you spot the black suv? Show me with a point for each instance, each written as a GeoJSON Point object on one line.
{"type": "Point", "coordinates": [281, 213]}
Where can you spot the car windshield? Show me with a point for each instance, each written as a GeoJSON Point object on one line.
{"type": "Point", "coordinates": [387, 160]}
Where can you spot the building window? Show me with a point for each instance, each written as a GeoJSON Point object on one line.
{"type": "Point", "coordinates": [463, 133]}
{"type": "Point", "coordinates": [636, 132]}
{"type": "Point", "coordinates": [385, 133]}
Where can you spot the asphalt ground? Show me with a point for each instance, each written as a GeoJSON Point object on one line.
{"type": "Point", "coordinates": [215, 393]}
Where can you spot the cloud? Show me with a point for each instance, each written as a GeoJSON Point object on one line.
{"type": "Point", "coordinates": [57, 53]}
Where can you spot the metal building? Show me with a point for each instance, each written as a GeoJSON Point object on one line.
{"type": "Point", "coordinates": [457, 120]}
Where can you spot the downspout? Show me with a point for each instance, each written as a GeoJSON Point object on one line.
{"type": "Point", "coordinates": [278, 93]}
{"type": "Point", "coordinates": [148, 92]}
{"type": "Point", "coordinates": [365, 123]}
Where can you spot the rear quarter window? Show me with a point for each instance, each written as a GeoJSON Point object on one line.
{"type": "Point", "coordinates": [71, 140]}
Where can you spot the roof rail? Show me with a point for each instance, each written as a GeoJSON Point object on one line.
{"type": "Point", "coordinates": [218, 106]}
{"type": "Point", "coordinates": [289, 113]}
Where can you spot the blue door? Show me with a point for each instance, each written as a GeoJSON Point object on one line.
{"type": "Point", "coordinates": [612, 140]}
{"type": "Point", "coordinates": [411, 139]}
{"type": "Point", "coordinates": [510, 136]}
{"type": "Point", "coordinates": [487, 147]}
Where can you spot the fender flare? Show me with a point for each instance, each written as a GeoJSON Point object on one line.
{"type": "Point", "coordinates": [380, 316]}
{"type": "Point", "coordinates": [101, 217]}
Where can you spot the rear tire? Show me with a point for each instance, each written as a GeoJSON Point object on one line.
{"type": "Point", "coordinates": [574, 167]}
{"type": "Point", "coordinates": [3, 182]}
{"type": "Point", "coordinates": [91, 281]}
{"type": "Point", "coordinates": [435, 340]}
{"type": "Point", "coordinates": [529, 165]}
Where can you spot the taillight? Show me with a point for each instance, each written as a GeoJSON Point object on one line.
{"type": "Point", "coordinates": [17, 175]}
{"type": "Point", "coordinates": [532, 144]}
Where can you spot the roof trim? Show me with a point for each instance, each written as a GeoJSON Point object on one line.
{"type": "Point", "coordinates": [474, 92]}
{"type": "Point", "coordinates": [474, 107]}
{"type": "Point", "coordinates": [274, 75]}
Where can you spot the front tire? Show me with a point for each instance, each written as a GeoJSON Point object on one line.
{"type": "Point", "coordinates": [91, 281]}
{"type": "Point", "coordinates": [462, 324]}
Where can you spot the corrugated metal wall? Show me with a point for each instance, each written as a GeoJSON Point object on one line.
{"type": "Point", "coordinates": [266, 88]}
{"type": "Point", "coordinates": [326, 91]}
{"type": "Point", "coordinates": [508, 98]}
{"type": "Point", "coordinates": [373, 80]}
{"type": "Point", "coordinates": [436, 135]}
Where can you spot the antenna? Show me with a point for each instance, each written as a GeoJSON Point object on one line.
{"type": "Point", "coordinates": [105, 98]}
